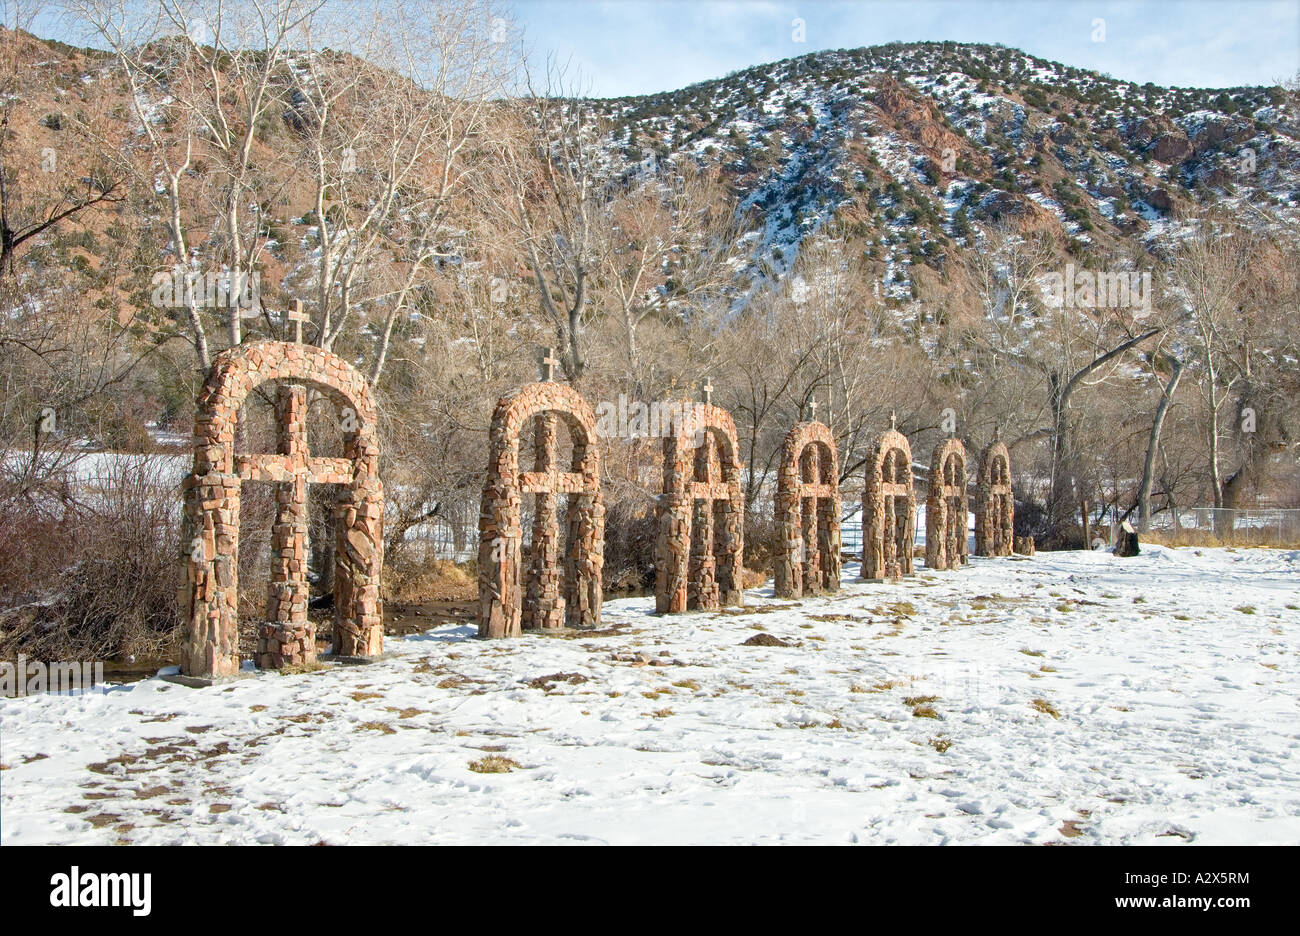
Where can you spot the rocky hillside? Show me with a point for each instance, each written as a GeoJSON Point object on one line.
{"type": "Point", "coordinates": [905, 146]}
{"type": "Point", "coordinates": [908, 145]}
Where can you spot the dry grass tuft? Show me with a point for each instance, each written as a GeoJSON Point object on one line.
{"type": "Point", "coordinates": [298, 669]}
{"type": "Point", "coordinates": [914, 701]}
{"type": "Point", "coordinates": [1245, 538]}
{"type": "Point", "coordinates": [493, 763]}
{"type": "Point", "coordinates": [1047, 708]}
{"type": "Point", "coordinates": [434, 580]}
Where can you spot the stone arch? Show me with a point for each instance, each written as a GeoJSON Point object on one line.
{"type": "Point", "coordinates": [888, 509]}
{"type": "Point", "coordinates": [946, 507]}
{"type": "Point", "coordinates": [700, 545]}
{"type": "Point", "coordinates": [506, 606]}
{"type": "Point", "coordinates": [211, 588]}
{"type": "Point", "coordinates": [808, 512]}
{"type": "Point", "coordinates": [994, 504]}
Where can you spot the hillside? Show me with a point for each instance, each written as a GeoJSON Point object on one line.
{"type": "Point", "coordinates": [905, 146]}
{"type": "Point", "coordinates": [908, 145]}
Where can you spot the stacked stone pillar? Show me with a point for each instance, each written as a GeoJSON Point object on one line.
{"type": "Point", "coordinates": [507, 606]}
{"type": "Point", "coordinates": [888, 509]}
{"type": "Point", "coordinates": [702, 580]}
{"type": "Point", "coordinates": [946, 507]}
{"type": "Point", "coordinates": [808, 513]}
{"type": "Point", "coordinates": [700, 544]}
{"type": "Point", "coordinates": [585, 557]}
{"type": "Point", "coordinates": [287, 602]}
{"type": "Point", "coordinates": [210, 589]}
{"type": "Point", "coordinates": [672, 546]}
{"type": "Point", "coordinates": [545, 605]}
{"type": "Point", "coordinates": [994, 503]}
{"type": "Point", "coordinates": [287, 637]}
{"type": "Point", "coordinates": [359, 553]}
{"type": "Point", "coordinates": [729, 549]}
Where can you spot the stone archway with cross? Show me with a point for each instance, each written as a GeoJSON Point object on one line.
{"type": "Point", "coordinates": [700, 542]}
{"type": "Point", "coordinates": [946, 507]}
{"type": "Point", "coordinates": [808, 512]}
{"type": "Point", "coordinates": [543, 600]}
{"type": "Point", "coordinates": [210, 592]}
{"type": "Point", "coordinates": [994, 503]}
{"type": "Point", "coordinates": [888, 509]}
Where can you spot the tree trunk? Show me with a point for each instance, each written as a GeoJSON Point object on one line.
{"type": "Point", "coordinates": [1061, 494]}
{"type": "Point", "coordinates": [1153, 444]}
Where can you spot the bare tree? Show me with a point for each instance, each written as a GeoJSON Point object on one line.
{"type": "Point", "coordinates": [1067, 348]}
{"type": "Point", "coordinates": [555, 190]}
{"type": "Point", "coordinates": [394, 130]}
{"type": "Point", "coordinates": [1208, 270]}
{"type": "Point", "coordinates": [669, 236]}
{"type": "Point", "coordinates": [201, 75]}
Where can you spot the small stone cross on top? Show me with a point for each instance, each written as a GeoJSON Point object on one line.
{"type": "Point", "coordinates": [548, 365]}
{"type": "Point", "coordinates": [708, 391]}
{"type": "Point", "coordinates": [297, 316]}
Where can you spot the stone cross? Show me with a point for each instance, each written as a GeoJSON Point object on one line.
{"type": "Point", "coordinates": [708, 391]}
{"type": "Point", "coordinates": [548, 364]}
{"type": "Point", "coordinates": [297, 316]}
{"type": "Point", "coordinates": [812, 410]}
{"type": "Point", "coordinates": [893, 419]}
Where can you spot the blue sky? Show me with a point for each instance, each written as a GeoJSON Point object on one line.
{"type": "Point", "coordinates": [641, 46]}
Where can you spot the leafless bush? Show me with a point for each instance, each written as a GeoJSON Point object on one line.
{"type": "Point", "coordinates": [629, 540]}
{"type": "Point", "coordinates": [99, 582]}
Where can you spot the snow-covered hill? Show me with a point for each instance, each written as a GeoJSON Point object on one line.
{"type": "Point", "coordinates": [907, 145]}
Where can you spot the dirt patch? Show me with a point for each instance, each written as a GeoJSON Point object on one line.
{"type": "Point", "coordinates": [757, 609]}
{"type": "Point", "coordinates": [765, 640]}
{"type": "Point", "coordinates": [546, 683]}
{"type": "Point", "coordinates": [404, 618]}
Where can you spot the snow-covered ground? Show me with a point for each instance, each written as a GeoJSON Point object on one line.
{"type": "Point", "coordinates": [1174, 676]}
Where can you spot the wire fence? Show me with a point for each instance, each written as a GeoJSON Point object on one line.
{"type": "Point", "coordinates": [1262, 526]}
{"type": "Point", "coordinates": [851, 530]}
{"type": "Point", "coordinates": [1193, 526]}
